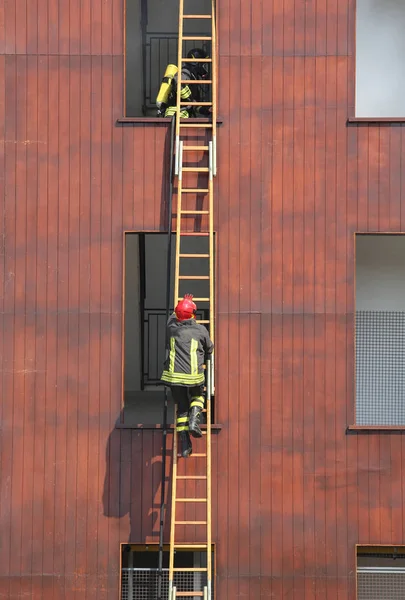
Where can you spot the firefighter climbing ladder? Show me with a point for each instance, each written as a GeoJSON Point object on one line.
{"type": "Point", "coordinates": [205, 151]}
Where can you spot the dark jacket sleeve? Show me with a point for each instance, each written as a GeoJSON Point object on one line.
{"type": "Point", "coordinates": [171, 319]}
{"type": "Point", "coordinates": [207, 343]}
{"type": "Point", "coordinates": [170, 322]}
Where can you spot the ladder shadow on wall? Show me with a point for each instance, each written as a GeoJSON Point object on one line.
{"type": "Point", "coordinates": [132, 482]}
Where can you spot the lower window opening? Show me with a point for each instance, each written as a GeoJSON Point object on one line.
{"type": "Point", "coordinates": [140, 572]}
{"type": "Point", "coordinates": [380, 572]}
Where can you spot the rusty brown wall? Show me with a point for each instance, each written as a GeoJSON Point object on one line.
{"type": "Point", "coordinates": [293, 492]}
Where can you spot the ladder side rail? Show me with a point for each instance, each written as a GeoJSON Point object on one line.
{"type": "Point", "coordinates": [176, 293]}
{"type": "Point", "coordinates": [214, 73]}
{"type": "Point", "coordinates": [165, 405]}
{"type": "Point", "coordinates": [179, 77]}
{"type": "Point", "coordinates": [178, 225]}
{"type": "Point", "coordinates": [211, 245]}
{"type": "Point", "coordinates": [209, 512]}
{"type": "Point", "coordinates": [172, 590]}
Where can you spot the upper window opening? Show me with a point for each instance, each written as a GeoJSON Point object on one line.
{"type": "Point", "coordinates": [151, 45]}
{"type": "Point", "coordinates": [380, 64]}
{"type": "Point", "coordinates": [380, 330]}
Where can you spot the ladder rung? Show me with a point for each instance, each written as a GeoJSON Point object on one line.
{"type": "Point", "coordinates": [194, 190]}
{"type": "Point", "coordinates": [194, 255]}
{"type": "Point", "coordinates": [197, 16]}
{"type": "Point", "coordinates": [196, 103]}
{"type": "Point", "coordinates": [193, 277]}
{"type": "Point", "coordinates": [191, 476]}
{"type": "Point", "coordinates": [195, 233]}
{"type": "Point", "coordinates": [198, 321]}
{"type": "Point", "coordinates": [201, 125]}
{"type": "Point", "coordinates": [197, 454]}
{"type": "Point", "coordinates": [201, 60]}
{"type": "Point", "coordinates": [191, 569]}
{"type": "Point", "coordinates": [196, 169]}
{"type": "Point", "coordinates": [191, 499]}
{"type": "Point", "coordinates": [200, 38]}
{"type": "Point", "coordinates": [190, 522]}
{"type": "Point", "coordinates": [190, 546]}
{"type": "Point", "coordinates": [187, 148]}
{"type": "Point", "coordinates": [180, 594]}
{"type": "Point", "coordinates": [195, 212]}
{"type": "Point", "coordinates": [196, 81]}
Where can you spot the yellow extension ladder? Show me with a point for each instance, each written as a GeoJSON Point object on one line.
{"type": "Point", "coordinates": [205, 149]}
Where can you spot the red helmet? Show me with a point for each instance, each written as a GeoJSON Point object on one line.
{"type": "Point", "coordinates": [186, 308]}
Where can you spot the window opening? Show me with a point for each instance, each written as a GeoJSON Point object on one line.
{"type": "Point", "coordinates": [151, 44]}
{"type": "Point", "coordinates": [380, 329]}
{"type": "Point", "coordinates": [145, 319]}
{"type": "Point", "coordinates": [380, 67]}
{"type": "Point", "coordinates": [380, 572]}
{"type": "Point", "coordinates": [139, 571]}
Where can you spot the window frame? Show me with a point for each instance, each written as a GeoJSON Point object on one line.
{"type": "Point", "coordinates": [166, 548]}
{"type": "Point", "coordinates": [353, 427]}
{"type": "Point", "coordinates": [142, 120]}
{"type": "Point", "coordinates": [352, 73]}
{"type": "Point", "coordinates": [121, 424]}
{"type": "Point", "coordinates": [400, 546]}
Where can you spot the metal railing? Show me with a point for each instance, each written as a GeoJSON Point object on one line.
{"type": "Point", "coordinates": [380, 368]}
{"type": "Point", "coordinates": [380, 583]}
{"type": "Point", "coordinates": [142, 583]}
{"type": "Point", "coordinates": [159, 51]}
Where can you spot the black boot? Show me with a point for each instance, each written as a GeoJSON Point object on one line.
{"type": "Point", "coordinates": [186, 447]}
{"type": "Point", "coordinates": [194, 422]}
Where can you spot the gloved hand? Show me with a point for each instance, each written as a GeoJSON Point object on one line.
{"type": "Point", "coordinates": [188, 296]}
{"type": "Point", "coordinates": [204, 111]}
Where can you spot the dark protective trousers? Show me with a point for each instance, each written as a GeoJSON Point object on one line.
{"type": "Point", "coordinates": [186, 398]}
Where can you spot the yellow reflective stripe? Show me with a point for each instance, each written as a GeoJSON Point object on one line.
{"type": "Point", "coordinates": [171, 110]}
{"type": "Point", "coordinates": [185, 92]}
{"type": "Point", "coordinates": [182, 419]}
{"type": "Point", "coordinates": [197, 402]}
{"type": "Point", "coordinates": [172, 354]}
{"type": "Point", "coordinates": [182, 378]}
{"type": "Point", "coordinates": [182, 428]}
{"type": "Point", "coordinates": [193, 357]}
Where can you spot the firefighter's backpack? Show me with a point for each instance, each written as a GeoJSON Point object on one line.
{"type": "Point", "coordinates": [165, 89]}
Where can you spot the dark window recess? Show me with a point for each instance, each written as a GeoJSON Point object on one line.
{"type": "Point", "coordinates": [145, 319]}
{"type": "Point", "coordinates": [151, 44]}
{"type": "Point", "coordinates": [139, 577]}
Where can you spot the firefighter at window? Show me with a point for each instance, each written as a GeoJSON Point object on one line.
{"type": "Point", "coordinates": [189, 345]}
{"type": "Point", "coordinates": [167, 96]}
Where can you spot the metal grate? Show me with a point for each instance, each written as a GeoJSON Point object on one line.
{"type": "Point", "coordinates": [142, 584]}
{"type": "Point", "coordinates": [380, 368]}
{"type": "Point", "coordinates": [379, 583]}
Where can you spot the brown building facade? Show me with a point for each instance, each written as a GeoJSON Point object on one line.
{"type": "Point", "coordinates": [294, 490]}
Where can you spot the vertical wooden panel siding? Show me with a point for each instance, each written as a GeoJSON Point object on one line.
{"type": "Point", "coordinates": [292, 492]}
